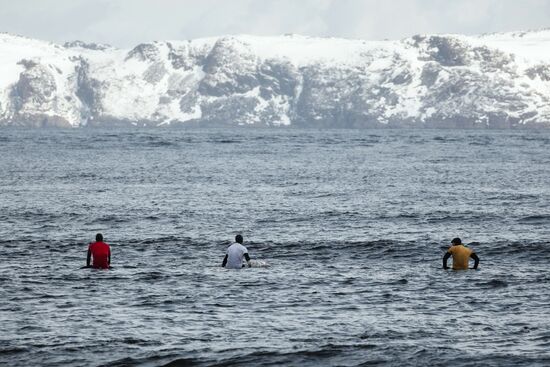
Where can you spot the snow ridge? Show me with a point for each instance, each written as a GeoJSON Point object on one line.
{"type": "Point", "coordinates": [489, 81]}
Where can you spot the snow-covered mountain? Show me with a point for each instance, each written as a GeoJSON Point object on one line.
{"type": "Point", "coordinates": [495, 80]}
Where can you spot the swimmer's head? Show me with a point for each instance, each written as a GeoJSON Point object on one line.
{"type": "Point", "coordinates": [456, 241]}
{"type": "Point", "coordinates": [239, 239]}
{"type": "Point", "coordinates": [99, 237]}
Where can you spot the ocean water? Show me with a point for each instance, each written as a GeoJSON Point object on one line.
{"type": "Point", "coordinates": [354, 224]}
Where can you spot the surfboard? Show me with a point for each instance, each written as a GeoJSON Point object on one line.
{"type": "Point", "coordinates": [258, 264]}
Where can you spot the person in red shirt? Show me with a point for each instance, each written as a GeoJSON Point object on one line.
{"type": "Point", "coordinates": [101, 253]}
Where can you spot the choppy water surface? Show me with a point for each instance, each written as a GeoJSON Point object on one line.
{"type": "Point", "coordinates": [354, 224]}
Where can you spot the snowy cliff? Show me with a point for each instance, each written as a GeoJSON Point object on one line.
{"type": "Point", "coordinates": [496, 80]}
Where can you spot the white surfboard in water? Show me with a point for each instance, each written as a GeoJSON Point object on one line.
{"type": "Point", "coordinates": [258, 264]}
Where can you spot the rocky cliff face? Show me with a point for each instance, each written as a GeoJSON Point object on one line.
{"type": "Point", "coordinates": [490, 81]}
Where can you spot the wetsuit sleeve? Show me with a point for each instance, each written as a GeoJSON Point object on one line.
{"type": "Point", "coordinates": [247, 258]}
{"type": "Point", "coordinates": [445, 258]}
{"type": "Point", "coordinates": [476, 259]}
{"type": "Point", "coordinates": [89, 257]}
{"type": "Point", "coordinates": [224, 262]}
{"type": "Point", "coordinates": [109, 257]}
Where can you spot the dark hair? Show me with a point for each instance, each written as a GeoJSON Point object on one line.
{"type": "Point", "coordinates": [456, 241]}
{"type": "Point", "coordinates": [239, 239]}
{"type": "Point", "coordinates": [99, 237]}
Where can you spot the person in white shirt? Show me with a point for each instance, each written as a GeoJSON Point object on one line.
{"type": "Point", "coordinates": [235, 253]}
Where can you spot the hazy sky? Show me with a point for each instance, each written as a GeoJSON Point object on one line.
{"type": "Point", "coordinates": [125, 23]}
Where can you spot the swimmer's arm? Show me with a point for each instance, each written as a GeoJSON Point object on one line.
{"type": "Point", "coordinates": [88, 258]}
{"type": "Point", "coordinates": [476, 259]}
{"type": "Point", "coordinates": [445, 258]}
{"type": "Point", "coordinates": [224, 262]}
{"type": "Point", "coordinates": [247, 258]}
{"type": "Point", "coordinates": [109, 258]}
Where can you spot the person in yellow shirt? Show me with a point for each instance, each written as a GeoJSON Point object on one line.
{"type": "Point", "coordinates": [461, 256]}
